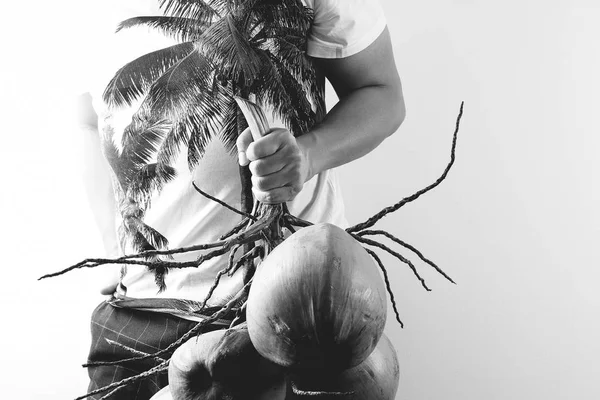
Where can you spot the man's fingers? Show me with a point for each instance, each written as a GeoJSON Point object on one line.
{"type": "Point", "coordinates": [267, 166]}
{"type": "Point", "coordinates": [269, 144]}
{"type": "Point", "coordinates": [287, 176]}
{"type": "Point", "coordinates": [269, 182]}
{"type": "Point", "coordinates": [276, 164]}
{"type": "Point", "coordinates": [243, 141]}
{"type": "Point", "coordinates": [275, 196]}
{"type": "Point", "coordinates": [109, 289]}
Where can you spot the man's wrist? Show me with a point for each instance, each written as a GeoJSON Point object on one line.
{"type": "Point", "coordinates": [308, 144]}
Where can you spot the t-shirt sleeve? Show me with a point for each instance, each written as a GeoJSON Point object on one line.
{"type": "Point", "coordinates": [342, 28]}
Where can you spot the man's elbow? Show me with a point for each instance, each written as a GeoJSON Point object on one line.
{"type": "Point", "coordinates": [401, 112]}
{"type": "Point", "coordinates": [397, 110]}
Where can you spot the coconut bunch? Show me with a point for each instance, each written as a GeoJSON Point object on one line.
{"type": "Point", "coordinates": [308, 322]}
{"type": "Point", "coordinates": [225, 365]}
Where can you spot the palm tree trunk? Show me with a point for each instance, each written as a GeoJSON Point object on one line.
{"type": "Point", "coordinates": [247, 198]}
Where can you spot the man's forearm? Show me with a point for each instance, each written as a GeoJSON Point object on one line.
{"type": "Point", "coordinates": [96, 173]}
{"type": "Point", "coordinates": [371, 107]}
{"type": "Point", "coordinates": [354, 127]}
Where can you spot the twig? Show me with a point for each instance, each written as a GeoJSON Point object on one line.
{"type": "Point", "coordinates": [295, 221]}
{"type": "Point", "coordinates": [395, 254]}
{"type": "Point", "coordinates": [251, 234]}
{"type": "Point", "coordinates": [241, 225]}
{"type": "Point", "coordinates": [387, 284]}
{"type": "Point", "coordinates": [257, 251]}
{"type": "Point", "coordinates": [132, 350]}
{"type": "Point", "coordinates": [155, 370]}
{"type": "Point", "coordinates": [371, 221]}
{"type": "Point", "coordinates": [227, 206]}
{"type": "Point", "coordinates": [408, 246]}
{"type": "Point", "coordinates": [240, 315]}
{"type": "Point", "coordinates": [212, 288]}
{"type": "Point", "coordinates": [95, 262]}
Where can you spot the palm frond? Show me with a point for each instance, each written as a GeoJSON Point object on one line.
{"type": "Point", "coordinates": [201, 121]}
{"type": "Point", "coordinates": [299, 112]}
{"type": "Point", "coordinates": [290, 58]}
{"type": "Point", "coordinates": [165, 173]}
{"type": "Point", "coordinates": [171, 146]}
{"type": "Point", "coordinates": [153, 240]}
{"type": "Point", "coordinates": [199, 10]}
{"type": "Point", "coordinates": [288, 52]}
{"type": "Point", "coordinates": [227, 46]}
{"type": "Point", "coordinates": [147, 179]}
{"type": "Point", "coordinates": [135, 234]}
{"type": "Point", "coordinates": [286, 46]}
{"type": "Point", "coordinates": [199, 138]}
{"type": "Point", "coordinates": [133, 79]}
{"type": "Point", "coordinates": [159, 277]}
{"type": "Point", "coordinates": [196, 104]}
{"type": "Point", "coordinates": [141, 139]}
{"type": "Point", "coordinates": [281, 90]}
{"type": "Point", "coordinates": [178, 28]}
{"type": "Point", "coordinates": [180, 85]}
{"type": "Point", "coordinates": [123, 168]}
{"type": "Point", "coordinates": [130, 211]}
{"type": "Point", "coordinates": [289, 49]}
{"type": "Point", "coordinates": [292, 35]}
{"type": "Point", "coordinates": [283, 13]}
{"type": "Point", "coordinates": [232, 126]}
{"type": "Point", "coordinates": [140, 240]}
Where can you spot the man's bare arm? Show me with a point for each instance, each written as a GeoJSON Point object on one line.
{"type": "Point", "coordinates": [371, 108]}
{"type": "Point", "coordinates": [98, 186]}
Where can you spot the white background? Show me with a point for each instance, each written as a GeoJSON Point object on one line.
{"type": "Point", "coordinates": [515, 223]}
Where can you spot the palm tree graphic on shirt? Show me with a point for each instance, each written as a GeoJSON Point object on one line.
{"type": "Point", "coordinates": [226, 48]}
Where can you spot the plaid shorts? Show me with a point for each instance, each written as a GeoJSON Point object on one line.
{"type": "Point", "coordinates": [144, 331]}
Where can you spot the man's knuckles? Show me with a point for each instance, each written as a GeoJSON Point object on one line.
{"type": "Point", "coordinates": [244, 140]}
{"type": "Point", "coordinates": [265, 167]}
{"type": "Point", "coordinates": [264, 183]}
{"type": "Point", "coordinates": [270, 144]}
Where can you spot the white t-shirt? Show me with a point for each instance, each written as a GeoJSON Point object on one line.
{"type": "Point", "coordinates": [341, 28]}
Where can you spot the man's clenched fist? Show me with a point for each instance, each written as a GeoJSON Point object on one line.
{"type": "Point", "coordinates": [278, 164]}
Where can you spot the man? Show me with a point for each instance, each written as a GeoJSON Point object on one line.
{"type": "Point", "coordinates": [351, 46]}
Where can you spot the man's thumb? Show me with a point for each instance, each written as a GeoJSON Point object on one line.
{"type": "Point", "coordinates": [243, 141]}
